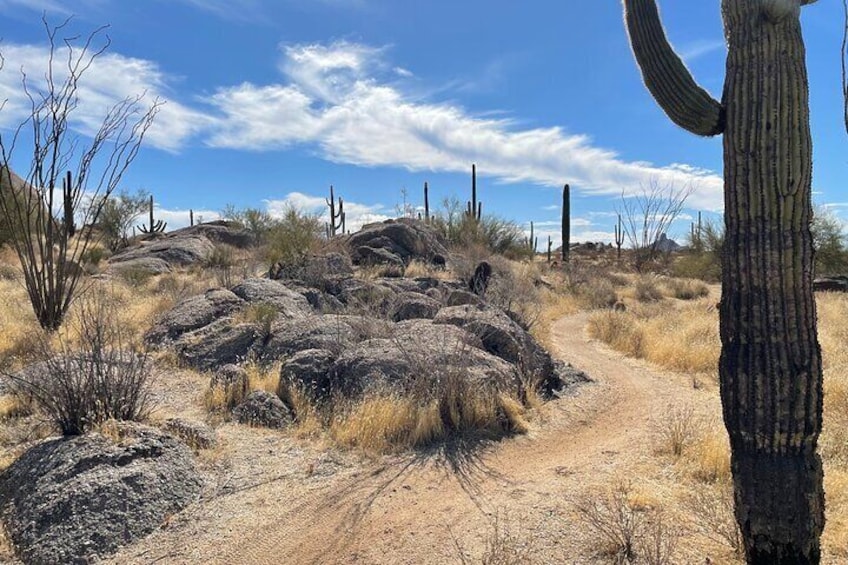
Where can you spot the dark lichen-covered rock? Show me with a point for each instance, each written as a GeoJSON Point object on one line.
{"type": "Point", "coordinates": [193, 313]}
{"type": "Point", "coordinates": [218, 344]}
{"type": "Point", "coordinates": [404, 239]}
{"type": "Point", "coordinates": [308, 371]}
{"type": "Point", "coordinates": [77, 499]}
{"type": "Point", "coordinates": [288, 303]}
{"type": "Point", "coordinates": [413, 305]}
{"type": "Point", "coordinates": [503, 337]}
{"type": "Point", "coordinates": [178, 250]}
{"type": "Point", "coordinates": [263, 409]}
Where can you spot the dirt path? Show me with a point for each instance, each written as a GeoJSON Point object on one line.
{"type": "Point", "coordinates": [433, 507]}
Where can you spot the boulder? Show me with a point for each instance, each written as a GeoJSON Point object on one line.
{"type": "Point", "coordinates": [220, 343]}
{"type": "Point", "coordinates": [309, 371]}
{"type": "Point", "coordinates": [413, 305]}
{"type": "Point", "coordinates": [219, 231]}
{"type": "Point", "coordinates": [196, 435]}
{"type": "Point", "coordinates": [333, 332]}
{"type": "Point", "coordinates": [145, 265]}
{"type": "Point", "coordinates": [263, 409]}
{"type": "Point", "coordinates": [404, 238]}
{"type": "Point", "coordinates": [367, 255]}
{"type": "Point", "coordinates": [502, 337]}
{"type": "Point", "coordinates": [418, 355]}
{"type": "Point", "coordinates": [463, 297]}
{"type": "Point", "coordinates": [289, 304]}
{"type": "Point", "coordinates": [176, 249]}
{"type": "Point", "coordinates": [193, 313]}
{"type": "Point", "coordinates": [79, 499]}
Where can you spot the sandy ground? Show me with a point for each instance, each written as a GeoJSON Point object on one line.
{"type": "Point", "coordinates": [274, 499]}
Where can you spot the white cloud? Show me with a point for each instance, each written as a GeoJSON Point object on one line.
{"type": "Point", "coordinates": [340, 97]}
{"type": "Point", "coordinates": [177, 219]}
{"type": "Point", "coordinates": [346, 101]}
{"type": "Point", "coordinates": [110, 79]}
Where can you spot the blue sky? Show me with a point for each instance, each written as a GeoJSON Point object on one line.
{"type": "Point", "coordinates": [271, 101]}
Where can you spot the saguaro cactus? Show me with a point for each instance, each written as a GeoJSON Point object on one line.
{"type": "Point", "coordinates": [337, 218]}
{"type": "Point", "coordinates": [619, 237]}
{"type": "Point", "coordinates": [68, 205]}
{"type": "Point", "coordinates": [473, 208]}
{"type": "Point", "coordinates": [153, 226]}
{"type": "Point", "coordinates": [426, 203]}
{"type": "Point", "coordinates": [770, 365]}
{"type": "Point", "coordinates": [566, 222]}
{"type": "Point", "coordinates": [532, 242]}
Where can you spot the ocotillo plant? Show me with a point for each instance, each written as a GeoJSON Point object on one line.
{"type": "Point", "coordinates": [426, 203]}
{"type": "Point", "coordinates": [566, 222]}
{"type": "Point", "coordinates": [157, 226]}
{"type": "Point", "coordinates": [473, 208]}
{"type": "Point", "coordinates": [770, 373]}
{"type": "Point", "coordinates": [337, 217]}
{"type": "Point", "coordinates": [619, 237]}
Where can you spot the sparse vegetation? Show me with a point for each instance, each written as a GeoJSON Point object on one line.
{"type": "Point", "coordinates": [105, 377]}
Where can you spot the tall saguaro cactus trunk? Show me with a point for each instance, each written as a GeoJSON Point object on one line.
{"type": "Point", "coordinates": [770, 365]}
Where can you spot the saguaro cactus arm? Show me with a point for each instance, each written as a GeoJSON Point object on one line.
{"type": "Point", "coordinates": [667, 78]}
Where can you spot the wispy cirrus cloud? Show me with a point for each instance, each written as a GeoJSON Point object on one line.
{"type": "Point", "coordinates": [110, 79]}
{"type": "Point", "coordinates": [694, 50]}
{"type": "Point", "coordinates": [343, 99]}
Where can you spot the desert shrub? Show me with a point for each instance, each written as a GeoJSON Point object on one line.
{"type": "Point", "coordinates": [263, 314]}
{"type": "Point", "coordinates": [687, 289]}
{"type": "Point", "coordinates": [497, 235]}
{"type": "Point", "coordinates": [658, 543]}
{"type": "Point", "coordinates": [619, 330]}
{"type": "Point", "coordinates": [222, 263]}
{"type": "Point", "coordinates": [106, 377]}
{"type": "Point", "coordinates": [677, 429]}
{"type": "Point", "coordinates": [702, 260]}
{"type": "Point", "coordinates": [292, 237]}
{"type": "Point", "coordinates": [118, 214]}
{"type": "Point", "coordinates": [646, 289]}
{"type": "Point", "coordinates": [515, 288]}
{"type": "Point", "coordinates": [135, 277]}
{"type": "Point", "coordinates": [710, 456]}
{"type": "Point", "coordinates": [713, 507]}
{"type": "Point", "coordinates": [502, 547]}
{"type": "Point", "coordinates": [614, 519]}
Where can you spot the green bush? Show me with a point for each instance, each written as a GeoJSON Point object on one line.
{"type": "Point", "coordinates": [118, 214]}
{"type": "Point", "coordinates": [498, 235]}
{"type": "Point", "coordinates": [829, 243]}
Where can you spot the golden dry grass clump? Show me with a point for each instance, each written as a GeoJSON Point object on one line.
{"type": "Point", "coordinates": [681, 338]}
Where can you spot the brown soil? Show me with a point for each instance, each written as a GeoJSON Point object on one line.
{"type": "Point", "coordinates": [276, 499]}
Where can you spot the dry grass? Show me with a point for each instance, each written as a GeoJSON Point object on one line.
{"type": "Point", "coordinates": [384, 421]}
{"type": "Point", "coordinates": [682, 339]}
{"type": "Point", "coordinates": [687, 289]}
